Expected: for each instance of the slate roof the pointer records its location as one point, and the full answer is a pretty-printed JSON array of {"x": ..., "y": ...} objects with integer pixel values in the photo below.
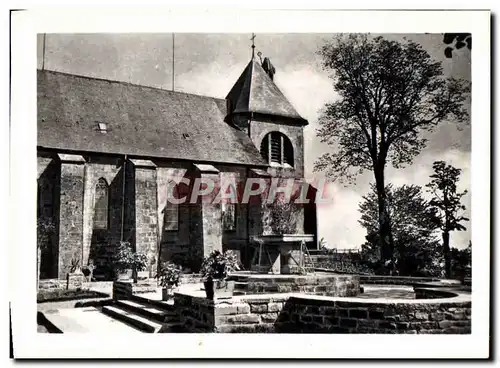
[
  {"x": 141, "y": 121},
  {"x": 254, "y": 91}
]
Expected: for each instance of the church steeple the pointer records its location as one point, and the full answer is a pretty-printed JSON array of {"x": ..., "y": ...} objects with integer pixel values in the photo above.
[
  {"x": 256, "y": 106},
  {"x": 256, "y": 93}
]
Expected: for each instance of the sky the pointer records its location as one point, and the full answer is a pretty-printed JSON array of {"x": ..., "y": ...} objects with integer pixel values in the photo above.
[{"x": 209, "y": 64}]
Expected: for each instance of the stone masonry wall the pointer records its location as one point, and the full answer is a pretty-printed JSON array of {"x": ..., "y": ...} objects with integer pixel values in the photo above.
[
  {"x": 328, "y": 316},
  {"x": 171, "y": 241},
  {"x": 324, "y": 285},
  {"x": 146, "y": 215},
  {"x": 70, "y": 215},
  {"x": 205, "y": 221},
  {"x": 98, "y": 244},
  {"x": 48, "y": 201},
  {"x": 307, "y": 314}
]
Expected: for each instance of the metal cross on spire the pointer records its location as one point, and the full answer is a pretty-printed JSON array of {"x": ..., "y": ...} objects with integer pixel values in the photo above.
[{"x": 253, "y": 45}]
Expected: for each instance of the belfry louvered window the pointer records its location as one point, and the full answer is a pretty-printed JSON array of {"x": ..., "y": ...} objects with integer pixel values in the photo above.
[
  {"x": 101, "y": 203},
  {"x": 277, "y": 149}
]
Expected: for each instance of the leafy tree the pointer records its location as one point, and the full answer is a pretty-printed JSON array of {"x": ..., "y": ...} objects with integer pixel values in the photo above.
[
  {"x": 461, "y": 262},
  {"x": 413, "y": 225},
  {"x": 389, "y": 92},
  {"x": 457, "y": 40},
  {"x": 447, "y": 202}
]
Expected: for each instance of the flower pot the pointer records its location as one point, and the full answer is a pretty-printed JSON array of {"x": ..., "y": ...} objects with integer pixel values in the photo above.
[
  {"x": 209, "y": 289},
  {"x": 124, "y": 275},
  {"x": 219, "y": 289},
  {"x": 167, "y": 293}
]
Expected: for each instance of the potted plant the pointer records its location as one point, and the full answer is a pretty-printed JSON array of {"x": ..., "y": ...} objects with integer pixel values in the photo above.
[
  {"x": 127, "y": 262},
  {"x": 215, "y": 269},
  {"x": 169, "y": 276}
]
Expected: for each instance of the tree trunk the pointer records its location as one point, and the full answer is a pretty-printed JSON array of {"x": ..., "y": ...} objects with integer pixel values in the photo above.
[
  {"x": 446, "y": 254},
  {"x": 386, "y": 242}
]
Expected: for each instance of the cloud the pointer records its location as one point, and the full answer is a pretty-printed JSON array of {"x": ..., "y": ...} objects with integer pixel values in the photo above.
[
  {"x": 215, "y": 79},
  {"x": 338, "y": 221}
]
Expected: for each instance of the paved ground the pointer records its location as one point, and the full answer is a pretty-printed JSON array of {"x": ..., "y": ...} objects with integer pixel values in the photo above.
[
  {"x": 53, "y": 306},
  {"x": 88, "y": 319},
  {"x": 387, "y": 291}
]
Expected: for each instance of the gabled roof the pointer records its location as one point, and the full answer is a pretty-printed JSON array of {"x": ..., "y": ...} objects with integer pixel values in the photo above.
[
  {"x": 254, "y": 91},
  {"x": 140, "y": 121}
]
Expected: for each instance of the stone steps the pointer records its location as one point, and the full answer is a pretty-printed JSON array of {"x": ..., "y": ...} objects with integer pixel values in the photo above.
[
  {"x": 147, "y": 310},
  {"x": 131, "y": 318},
  {"x": 164, "y": 306}
]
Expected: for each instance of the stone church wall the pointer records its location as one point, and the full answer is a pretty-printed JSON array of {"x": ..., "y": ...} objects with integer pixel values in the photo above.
[
  {"x": 47, "y": 209},
  {"x": 171, "y": 241},
  {"x": 99, "y": 244},
  {"x": 70, "y": 215},
  {"x": 237, "y": 239},
  {"x": 68, "y": 196},
  {"x": 146, "y": 219}
]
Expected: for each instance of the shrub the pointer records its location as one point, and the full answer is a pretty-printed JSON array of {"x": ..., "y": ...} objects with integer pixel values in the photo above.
[
  {"x": 125, "y": 258},
  {"x": 169, "y": 274},
  {"x": 217, "y": 265}
]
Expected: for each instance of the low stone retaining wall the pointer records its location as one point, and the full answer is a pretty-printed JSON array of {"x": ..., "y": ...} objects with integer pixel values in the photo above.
[
  {"x": 125, "y": 289},
  {"x": 331, "y": 285},
  {"x": 71, "y": 283},
  {"x": 295, "y": 313},
  {"x": 315, "y": 315}
]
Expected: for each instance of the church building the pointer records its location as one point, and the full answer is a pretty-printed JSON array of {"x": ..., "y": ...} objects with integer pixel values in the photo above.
[{"x": 108, "y": 150}]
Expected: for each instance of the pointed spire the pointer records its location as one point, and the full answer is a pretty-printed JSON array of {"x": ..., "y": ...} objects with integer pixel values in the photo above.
[{"x": 255, "y": 92}]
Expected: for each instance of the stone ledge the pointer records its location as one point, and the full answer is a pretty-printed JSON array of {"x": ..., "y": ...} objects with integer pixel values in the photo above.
[
  {"x": 143, "y": 163},
  {"x": 67, "y": 158}
]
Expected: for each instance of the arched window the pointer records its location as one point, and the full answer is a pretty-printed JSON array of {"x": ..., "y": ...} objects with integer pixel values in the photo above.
[
  {"x": 171, "y": 210},
  {"x": 101, "y": 204},
  {"x": 277, "y": 149}
]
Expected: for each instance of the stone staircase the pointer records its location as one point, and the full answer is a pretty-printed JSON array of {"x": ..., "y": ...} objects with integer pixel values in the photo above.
[{"x": 144, "y": 314}]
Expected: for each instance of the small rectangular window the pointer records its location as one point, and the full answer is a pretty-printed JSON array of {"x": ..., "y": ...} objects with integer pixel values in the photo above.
[
  {"x": 101, "y": 205},
  {"x": 103, "y": 127},
  {"x": 171, "y": 217},
  {"x": 229, "y": 216}
]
